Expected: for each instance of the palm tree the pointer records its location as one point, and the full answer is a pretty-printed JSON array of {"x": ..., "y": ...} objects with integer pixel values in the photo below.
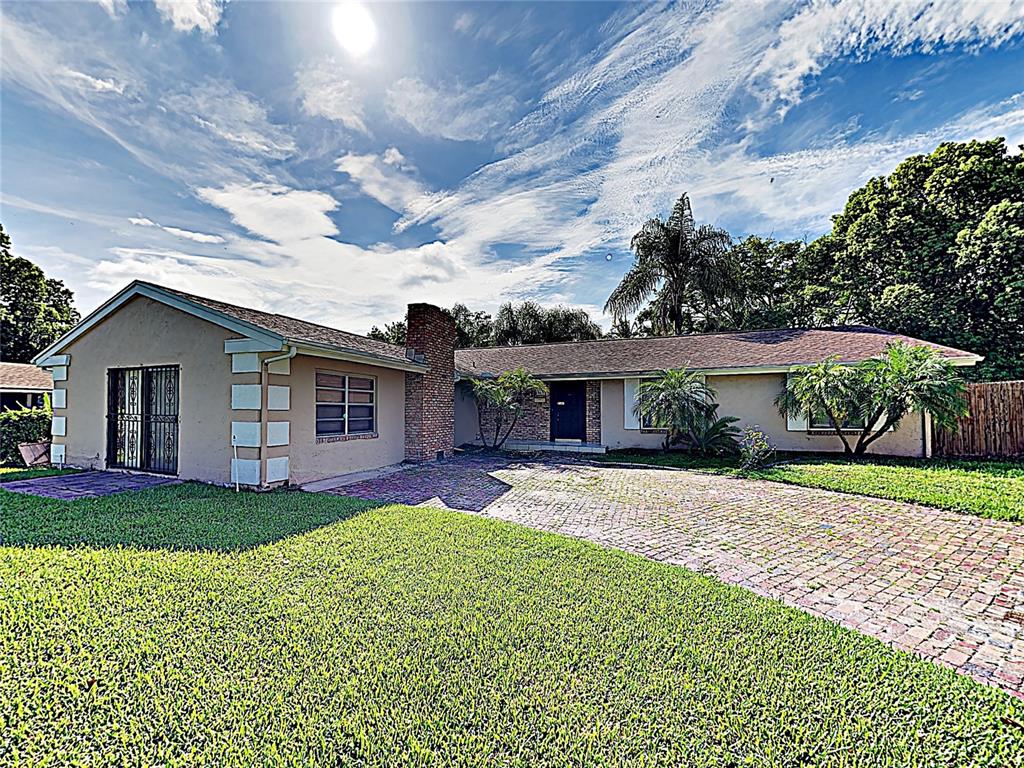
[
  {"x": 677, "y": 401},
  {"x": 684, "y": 270},
  {"x": 873, "y": 397}
]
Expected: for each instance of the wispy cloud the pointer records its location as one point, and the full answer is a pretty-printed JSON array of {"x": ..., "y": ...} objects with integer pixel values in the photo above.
[
  {"x": 187, "y": 234},
  {"x": 453, "y": 111},
  {"x": 384, "y": 178},
  {"x": 326, "y": 92},
  {"x": 273, "y": 211}
]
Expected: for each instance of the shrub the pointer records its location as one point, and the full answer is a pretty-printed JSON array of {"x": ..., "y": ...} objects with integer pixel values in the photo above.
[
  {"x": 501, "y": 401},
  {"x": 755, "y": 449},
  {"x": 27, "y": 425}
]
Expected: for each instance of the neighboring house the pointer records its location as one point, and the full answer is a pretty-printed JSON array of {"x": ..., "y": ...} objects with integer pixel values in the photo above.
[
  {"x": 592, "y": 385},
  {"x": 23, "y": 386},
  {"x": 162, "y": 381}
]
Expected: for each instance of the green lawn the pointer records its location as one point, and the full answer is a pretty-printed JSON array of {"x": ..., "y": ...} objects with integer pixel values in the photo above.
[
  {"x": 10, "y": 474},
  {"x": 993, "y": 489},
  {"x": 310, "y": 629}
]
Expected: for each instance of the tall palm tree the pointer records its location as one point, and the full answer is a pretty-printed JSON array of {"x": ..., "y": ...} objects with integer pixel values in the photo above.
[{"x": 683, "y": 269}]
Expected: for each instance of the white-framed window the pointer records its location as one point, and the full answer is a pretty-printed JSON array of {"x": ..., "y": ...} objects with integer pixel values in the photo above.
[
  {"x": 346, "y": 404},
  {"x": 822, "y": 421}
]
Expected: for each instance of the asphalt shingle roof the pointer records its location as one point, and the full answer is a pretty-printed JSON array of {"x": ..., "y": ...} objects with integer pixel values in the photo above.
[
  {"x": 740, "y": 349},
  {"x": 24, "y": 377},
  {"x": 293, "y": 329}
]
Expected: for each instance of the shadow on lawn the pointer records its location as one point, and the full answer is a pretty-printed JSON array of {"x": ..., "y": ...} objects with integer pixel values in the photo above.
[{"x": 188, "y": 516}]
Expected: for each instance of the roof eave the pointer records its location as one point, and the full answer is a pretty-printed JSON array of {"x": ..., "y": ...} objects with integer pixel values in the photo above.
[{"x": 332, "y": 352}]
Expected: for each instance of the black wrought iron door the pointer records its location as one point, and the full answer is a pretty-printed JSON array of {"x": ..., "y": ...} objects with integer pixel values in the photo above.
[{"x": 142, "y": 418}]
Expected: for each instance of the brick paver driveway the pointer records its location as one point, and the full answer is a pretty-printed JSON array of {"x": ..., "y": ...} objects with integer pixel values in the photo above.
[
  {"x": 85, "y": 485},
  {"x": 946, "y": 586}
]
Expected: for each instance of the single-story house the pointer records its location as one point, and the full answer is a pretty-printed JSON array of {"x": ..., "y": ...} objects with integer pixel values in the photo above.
[
  {"x": 158, "y": 380},
  {"x": 23, "y": 385}
]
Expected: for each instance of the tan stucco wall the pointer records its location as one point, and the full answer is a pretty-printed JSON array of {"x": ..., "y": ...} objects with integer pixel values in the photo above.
[
  {"x": 145, "y": 332},
  {"x": 315, "y": 461},
  {"x": 467, "y": 418},
  {"x": 751, "y": 398}
]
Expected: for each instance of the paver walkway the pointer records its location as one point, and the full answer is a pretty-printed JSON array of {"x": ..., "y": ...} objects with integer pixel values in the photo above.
[
  {"x": 946, "y": 586},
  {"x": 85, "y": 485}
]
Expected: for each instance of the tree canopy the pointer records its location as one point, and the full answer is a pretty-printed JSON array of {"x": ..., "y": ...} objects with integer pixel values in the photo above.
[
  {"x": 933, "y": 250},
  {"x": 34, "y": 310}
]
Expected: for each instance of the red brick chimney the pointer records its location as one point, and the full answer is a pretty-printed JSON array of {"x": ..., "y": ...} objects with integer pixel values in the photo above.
[{"x": 430, "y": 396}]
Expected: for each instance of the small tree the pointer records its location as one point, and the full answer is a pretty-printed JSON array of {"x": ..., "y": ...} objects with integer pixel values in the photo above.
[
  {"x": 678, "y": 401},
  {"x": 874, "y": 396},
  {"x": 500, "y": 403}
]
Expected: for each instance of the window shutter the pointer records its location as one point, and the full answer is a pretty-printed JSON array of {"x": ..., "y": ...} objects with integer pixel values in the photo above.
[
  {"x": 795, "y": 422},
  {"x": 629, "y": 419}
]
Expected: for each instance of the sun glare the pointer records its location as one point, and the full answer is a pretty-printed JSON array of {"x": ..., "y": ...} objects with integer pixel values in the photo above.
[{"x": 354, "y": 28}]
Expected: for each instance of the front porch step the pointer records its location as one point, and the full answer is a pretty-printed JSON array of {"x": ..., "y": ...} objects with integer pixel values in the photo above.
[{"x": 531, "y": 446}]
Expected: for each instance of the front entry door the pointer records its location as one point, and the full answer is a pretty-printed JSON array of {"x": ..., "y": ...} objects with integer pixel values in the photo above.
[
  {"x": 142, "y": 419},
  {"x": 568, "y": 410}
]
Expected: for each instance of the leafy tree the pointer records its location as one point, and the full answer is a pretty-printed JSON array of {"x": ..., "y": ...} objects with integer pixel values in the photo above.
[
  {"x": 500, "y": 403},
  {"x": 867, "y": 400},
  {"x": 530, "y": 323},
  {"x": 932, "y": 250},
  {"x": 684, "y": 405},
  {"x": 473, "y": 329},
  {"x": 392, "y": 333},
  {"x": 34, "y": 310},
  {"x": 682, "y": 269}
]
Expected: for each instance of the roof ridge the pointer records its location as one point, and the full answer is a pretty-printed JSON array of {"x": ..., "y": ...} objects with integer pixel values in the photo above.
[{"x": 847, "y": 327}]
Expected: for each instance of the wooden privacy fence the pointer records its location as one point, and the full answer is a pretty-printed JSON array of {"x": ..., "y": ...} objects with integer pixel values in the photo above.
[{"x": 995, "y": 426}]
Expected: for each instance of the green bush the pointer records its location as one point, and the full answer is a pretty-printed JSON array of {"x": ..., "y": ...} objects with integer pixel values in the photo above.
[{"x": 28, "y": 425}]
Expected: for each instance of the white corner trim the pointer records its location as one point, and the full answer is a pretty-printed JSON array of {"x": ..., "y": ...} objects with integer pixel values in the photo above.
[
  {"x": 278, "y": 432},
  {"x": 59, "y": 373},
  {"x": 278, "y": 398},
  {"x": 56, "y": 453},
  {"x": 245, "y": 434},
  {"x": 277, "y": 469},
  {"x": 245, "y": 471},
  {"x": 156, "y": 293},
  {"x": 59, "y": 426},
  {"x": 53, "y": 360},
  {"x": 245, "y": 397},
  {"x": 282, "y": 367},
  {"x": 59, "y": 398},
  {"x": 245, "y": 362}
]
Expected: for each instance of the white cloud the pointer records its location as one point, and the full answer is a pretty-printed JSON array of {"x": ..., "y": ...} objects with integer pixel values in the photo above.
[
  {"x": 233, "y": 116},
  {"x": 114, "y": 8},
  {"x": 822, "y": 32},
  {"x": 187, "y": 234},
  {"x": 379, "y": 178},
  {"x": 186, "y": 15},
  {"x": 456, "y": 112},
  {"x": 463, "y": 22},
  {"x": 327, "y": 93},
  {"x": 393, "y": 157},
  {"x": 274, "y": 211}
]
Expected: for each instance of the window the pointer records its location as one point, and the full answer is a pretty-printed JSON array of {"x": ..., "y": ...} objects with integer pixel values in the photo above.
[
  {"x": 822, "y": 421},
  {"x": 345, "y": 404}
]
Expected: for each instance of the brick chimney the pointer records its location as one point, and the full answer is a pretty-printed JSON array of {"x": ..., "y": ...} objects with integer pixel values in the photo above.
[{"x": 430, "y": 396}]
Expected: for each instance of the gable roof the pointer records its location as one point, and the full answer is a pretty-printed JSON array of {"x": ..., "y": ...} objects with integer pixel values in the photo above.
[
  {"x": 23, "y": 377},
  {"x": 736, "y": 351},
  {"x": 275, "y": 332}
]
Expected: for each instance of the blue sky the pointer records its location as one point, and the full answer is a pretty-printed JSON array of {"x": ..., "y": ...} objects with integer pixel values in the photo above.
[{"x": 475, "y": 152}]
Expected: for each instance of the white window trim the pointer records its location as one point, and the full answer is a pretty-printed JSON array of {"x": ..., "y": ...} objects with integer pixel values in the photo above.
[{"x": 347, "y": 390}]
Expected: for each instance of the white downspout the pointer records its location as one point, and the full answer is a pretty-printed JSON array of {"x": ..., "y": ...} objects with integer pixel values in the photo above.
[{"x": 264, "y": 411}]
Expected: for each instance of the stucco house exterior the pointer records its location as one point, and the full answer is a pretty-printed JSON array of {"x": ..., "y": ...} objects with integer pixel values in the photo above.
[{"x": 158, "y": 380}]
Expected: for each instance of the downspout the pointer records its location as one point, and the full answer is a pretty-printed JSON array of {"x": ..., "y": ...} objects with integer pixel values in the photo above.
[{"x": 264, "y": 410}]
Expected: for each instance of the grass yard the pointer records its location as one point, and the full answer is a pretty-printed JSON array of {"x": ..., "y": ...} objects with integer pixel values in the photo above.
[
  {"x": 10, "y": 474},
  {"x": 316, "y": 630},
  {"x": 993, "y": 489}
]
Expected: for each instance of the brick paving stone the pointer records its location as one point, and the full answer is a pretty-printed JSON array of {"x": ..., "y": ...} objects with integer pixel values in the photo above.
[
  {"x": 942, "y": 585},
  {"x": 85, "y": 485}
]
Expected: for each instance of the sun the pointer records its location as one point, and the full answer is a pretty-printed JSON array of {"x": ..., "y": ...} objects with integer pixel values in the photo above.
[{"x": 354, "y": 27}]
